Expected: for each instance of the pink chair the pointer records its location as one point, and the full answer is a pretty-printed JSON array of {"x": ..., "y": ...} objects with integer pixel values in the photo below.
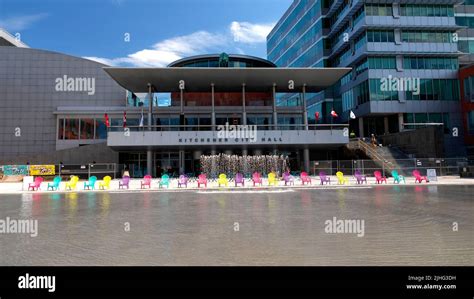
[
  {"x": 183, "y": 181},
  {"x": 146, "y": 182},
  {"x": 202, "y": 180},
  {"x": 257, "y": 179},
  {"x": 379, "y": 179},
  {"x": 239, "y": 179},
  {"x": 36, "y": 185},
  {"x": 418, "y": 177},
  {"x": 305, "y": 178}
]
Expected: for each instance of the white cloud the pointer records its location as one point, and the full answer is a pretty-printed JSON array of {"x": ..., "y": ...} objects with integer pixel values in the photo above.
[
  {"x": 21, "y": 22},
  {"x": 249, "y": 33},
  {"x": 202, "y": 42}
]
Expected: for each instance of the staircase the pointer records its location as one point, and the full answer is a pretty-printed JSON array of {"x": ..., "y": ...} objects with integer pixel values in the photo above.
[{"x": 388, "y": 158}]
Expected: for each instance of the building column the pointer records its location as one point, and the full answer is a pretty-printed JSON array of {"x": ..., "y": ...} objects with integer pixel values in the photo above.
[
  {"x": 149, "y": 162},
  {"x": 275, "y": 115},
  {"x": 213, "y": 108},
  {"x": 245, "y": 152},
  {"x": 385, "y": 125},
  {"x": 181, "y": 162},
  {"x": 244, "y": 110},
  {"x": 149, "y": 153},
  {"x": 306, "y": 159},
  {"x": 361, "y": 127},
  {"x": 305, "y": 109},
  {"x": 400, "y": 122}
]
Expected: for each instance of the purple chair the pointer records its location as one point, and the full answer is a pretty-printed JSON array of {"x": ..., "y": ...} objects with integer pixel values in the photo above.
[
  {"x": 288, "y": 178},
  {"x": 124, "y": 182},
  {"x": 183, "y": 181},
  {"x": 239, "y": 179},
  {"x": 324, "y": 178},
  {"x": 360, "y": 177}
]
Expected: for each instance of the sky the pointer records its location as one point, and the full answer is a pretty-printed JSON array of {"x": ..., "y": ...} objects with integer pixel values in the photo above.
[{"x": 143, "y": 33}]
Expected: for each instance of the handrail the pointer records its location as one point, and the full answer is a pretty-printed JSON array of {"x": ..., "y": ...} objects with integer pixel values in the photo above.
[{"x": 217, "y": 126}]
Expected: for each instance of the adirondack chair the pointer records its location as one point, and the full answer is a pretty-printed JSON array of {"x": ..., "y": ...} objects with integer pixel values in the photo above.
[
  {"x": 183, "y": 181},
  {"x": 419, "y": 178},
  {"x": 146, "y": 182},
  {"x": 257, "y": 179},
  {"x": 379, "y": 179},
  {"x": 289, "y": 179},
  {"x": 397, "y": 178},
  {"x": 124, "y": 182},
  {"x": 305, "y": 178},
  {"x": 324, "y": 178},
  {"x": 36, "y": 185},
  {"x": 360, "y": 178},
  {"x": 272, "y": 180},
  {"x": 105, "y": 184},
  {"x": 239, "y": 179},
  {"x": 165, "y": 181},
  {"x": 91, "y": 183},
  {"x": 202, "y": 180},
  {"x": 223, "y": 180},
  {"x": 341, "y": 179},
  {"x": 55, "y": 185},
  {"x": 72, "y": 184}
]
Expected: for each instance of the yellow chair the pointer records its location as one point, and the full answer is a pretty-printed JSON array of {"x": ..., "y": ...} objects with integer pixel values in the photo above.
[
  {"x": 341, "y": 179},
  {"x": 105, "y": 184},
  {"x": 272, "y": 180},
  {"x": 71, "y": 185},
  {"x": 222, "y": 180}
]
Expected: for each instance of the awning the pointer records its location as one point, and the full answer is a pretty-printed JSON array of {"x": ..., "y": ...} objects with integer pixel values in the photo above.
[{"x": 226, "y": 79}]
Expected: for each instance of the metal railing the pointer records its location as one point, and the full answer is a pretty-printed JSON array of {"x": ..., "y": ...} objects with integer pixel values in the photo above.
[
  {"x": 282, "y": 127},
  {"x": 443, "y": 166}
]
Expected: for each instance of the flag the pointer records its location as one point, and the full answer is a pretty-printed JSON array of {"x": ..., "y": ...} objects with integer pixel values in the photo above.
[
  {"x": 141, "y": 120},
  {"x": 334, "y": 114},
  {"x": 353, "y": 116},
  {"x": 125, "y": 119},
  {"x": 107, "y": 123},
  {"x": 316, "y": 115}
]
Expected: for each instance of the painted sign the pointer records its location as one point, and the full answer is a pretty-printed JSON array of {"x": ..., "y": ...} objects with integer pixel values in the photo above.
[
  {"x": 431, "y": 175},
  {"x": 42, "y": 170},
  {"x": 13, "y": 170}
]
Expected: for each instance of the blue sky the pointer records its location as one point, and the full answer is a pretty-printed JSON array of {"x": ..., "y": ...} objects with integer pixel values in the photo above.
[{"x": 160, "y": 31}]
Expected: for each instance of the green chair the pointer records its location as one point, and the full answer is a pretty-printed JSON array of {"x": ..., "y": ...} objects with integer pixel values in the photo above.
[
  {"x": 91, "y": 183},
  {"x": 55, "y": 185},
  {"x": 397, "y": 178},
  {"x": 165, "y": 180}
]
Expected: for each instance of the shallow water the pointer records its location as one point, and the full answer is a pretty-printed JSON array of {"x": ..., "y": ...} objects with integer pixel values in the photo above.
[{"x": 404, "y": 225}]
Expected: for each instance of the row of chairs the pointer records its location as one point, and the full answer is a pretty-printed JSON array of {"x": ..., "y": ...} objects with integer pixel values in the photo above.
[{"x": 239, "y": 179}]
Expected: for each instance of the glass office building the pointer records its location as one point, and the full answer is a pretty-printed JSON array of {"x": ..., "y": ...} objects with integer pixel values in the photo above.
[{"x": 413, "y": 47}]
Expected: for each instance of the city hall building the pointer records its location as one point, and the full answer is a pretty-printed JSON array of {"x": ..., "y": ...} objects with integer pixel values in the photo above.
[{"x": 59, "y": 108}]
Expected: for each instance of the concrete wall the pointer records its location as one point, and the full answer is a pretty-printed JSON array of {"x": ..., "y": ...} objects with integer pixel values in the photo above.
[
  {"x": 100, "y": 153},
  {"x": 28, "y": 97},
  {"x": 423, "y": 143}
]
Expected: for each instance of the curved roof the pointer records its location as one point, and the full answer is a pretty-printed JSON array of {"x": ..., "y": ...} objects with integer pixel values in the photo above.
[{"x": 233, "y": 57}]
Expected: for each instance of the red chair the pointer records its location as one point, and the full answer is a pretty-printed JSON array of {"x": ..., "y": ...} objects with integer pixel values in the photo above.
[
  {"x": 418, "y": 177},
  {"x": 202, "y": 180},
  {"x": 305, "y": 178},
  {"x": 146, "y": 182},
  {"x": 36, "y": 185},
  {"x": 257, "y": 179},
  {"x": 379, "y": 179}
]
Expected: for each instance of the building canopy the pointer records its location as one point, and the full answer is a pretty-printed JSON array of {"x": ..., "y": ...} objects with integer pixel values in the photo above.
[{"x": 226, "y": 79}]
